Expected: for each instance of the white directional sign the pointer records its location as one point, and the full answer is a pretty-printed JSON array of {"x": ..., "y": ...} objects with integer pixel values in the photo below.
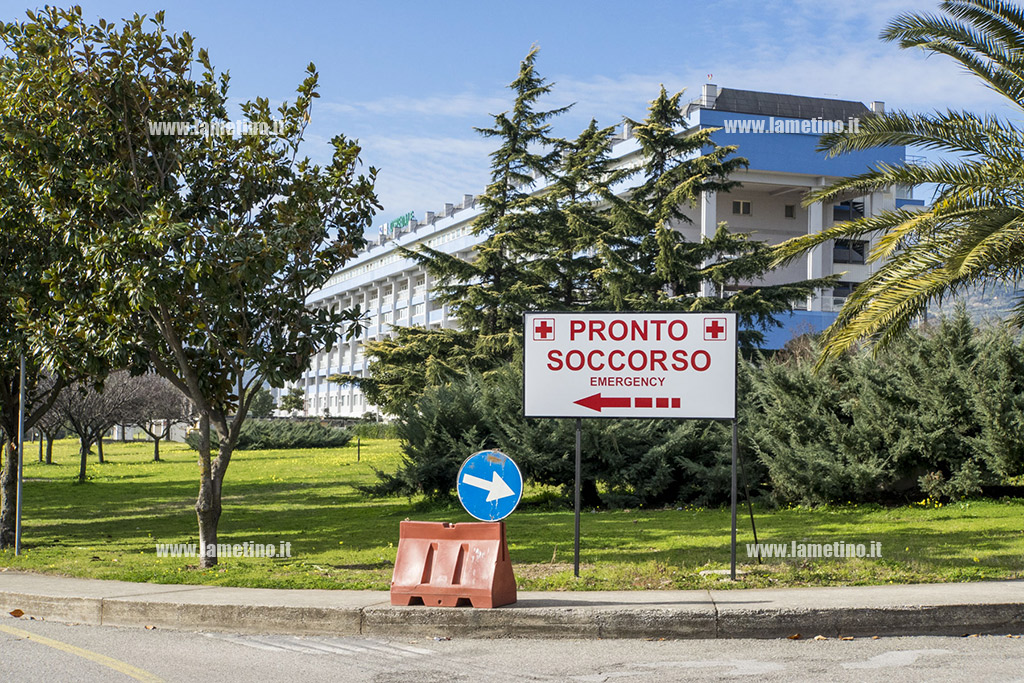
[
  {"x": 649, "y": 365},
  {"x": 496, "y": 488}
]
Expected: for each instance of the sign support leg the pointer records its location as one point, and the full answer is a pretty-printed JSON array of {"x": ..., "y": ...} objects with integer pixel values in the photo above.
[
  {"x": 750, "y": 508},
  {"x": 735, "y": 450},
  {"x": 576, "y": 546}
]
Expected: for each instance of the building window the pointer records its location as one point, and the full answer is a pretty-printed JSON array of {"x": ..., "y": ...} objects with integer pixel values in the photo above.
[
  {"x": 790, "y": 210},
  {"x": 741, "y": 208},
  {"x": 848, "y": 211},
  {"x": 843, "y": 289},
  {"x": 849, "y": 251}
]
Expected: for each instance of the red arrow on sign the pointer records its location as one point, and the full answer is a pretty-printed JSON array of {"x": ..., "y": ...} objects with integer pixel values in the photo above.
[{"x": 597, "y": 402}]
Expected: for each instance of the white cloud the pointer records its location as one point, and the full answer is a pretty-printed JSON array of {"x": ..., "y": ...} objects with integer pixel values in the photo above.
[
  {"x": 609, "y": 99},
  {"x": 904, "y": 79},
  {"x": 422, "y": 173},
  {"x": 872, "y": 12},
  {"x": 456, "y": 105}
]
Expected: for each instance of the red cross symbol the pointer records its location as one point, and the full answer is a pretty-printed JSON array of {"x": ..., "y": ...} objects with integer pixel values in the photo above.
[
  {"x": 544, "y": 329},
  {"x": 714, "y": 329}
]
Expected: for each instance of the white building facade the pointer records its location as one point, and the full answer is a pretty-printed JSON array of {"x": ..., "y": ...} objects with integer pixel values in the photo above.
[{"x": 393, "y": 290}]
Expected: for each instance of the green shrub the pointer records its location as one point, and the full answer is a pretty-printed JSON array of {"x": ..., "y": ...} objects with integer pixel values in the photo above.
[
  {"x": 438, "y": 433},
  {"x": 937, "y": 413},
  {"x": 281, "y": 434},
  {"x": 800, "y": 425},
  {"x": 374, "y": 430}
]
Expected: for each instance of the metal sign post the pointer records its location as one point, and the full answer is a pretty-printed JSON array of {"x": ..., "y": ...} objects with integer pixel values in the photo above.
[
  {"x": 21, "y": 453},
  {"x": 576, "y": 544},
  {"x": 732, "y": 500},
  {"x": 631, "y": 365}
]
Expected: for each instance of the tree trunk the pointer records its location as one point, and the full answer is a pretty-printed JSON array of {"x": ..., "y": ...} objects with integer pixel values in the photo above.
[
  {"x": 99, "y": 447},
  {"x": 40, "y": 448},
  {"x": 589, "y": 497},
  {"x": 49, "y": 449},
  {"x": 208, "y": 511},
  {"x": 124, "y": 434},
  {"x": 208, "y": 504},
  {"x": 8, "y": 493},
  {"x": 156, "y": 449},
  {"x": 83, "y": 453}
]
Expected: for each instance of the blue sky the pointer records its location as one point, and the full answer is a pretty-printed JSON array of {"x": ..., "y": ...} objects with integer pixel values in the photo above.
[{"x": 411, "y": 79}]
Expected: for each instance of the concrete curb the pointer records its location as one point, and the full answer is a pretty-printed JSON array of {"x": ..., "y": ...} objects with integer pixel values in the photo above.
[{"x": 938, "y": 609}]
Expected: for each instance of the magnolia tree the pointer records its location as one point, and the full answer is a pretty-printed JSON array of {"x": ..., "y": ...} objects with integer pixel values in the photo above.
[
  {"x": 40, "y": 395},
  {"x": 195, "y": 253},
  {"x": 25, "y": 251}
]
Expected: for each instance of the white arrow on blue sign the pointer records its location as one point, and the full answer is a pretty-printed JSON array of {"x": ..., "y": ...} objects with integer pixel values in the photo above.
[{"x": 489, "y": 485}]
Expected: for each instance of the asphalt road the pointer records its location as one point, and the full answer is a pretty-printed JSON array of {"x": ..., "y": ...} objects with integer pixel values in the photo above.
[{"x": 49, "y": 651}]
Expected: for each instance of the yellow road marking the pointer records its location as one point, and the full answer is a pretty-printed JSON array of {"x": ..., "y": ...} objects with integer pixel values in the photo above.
[{"x": 109, "y": 662}]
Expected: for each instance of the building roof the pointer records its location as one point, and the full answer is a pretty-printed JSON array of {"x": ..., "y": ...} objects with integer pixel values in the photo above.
[{"x": 790, "y": 106}]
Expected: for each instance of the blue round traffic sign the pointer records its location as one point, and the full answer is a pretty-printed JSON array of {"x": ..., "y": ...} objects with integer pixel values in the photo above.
[{"x": 489, "y": 485}]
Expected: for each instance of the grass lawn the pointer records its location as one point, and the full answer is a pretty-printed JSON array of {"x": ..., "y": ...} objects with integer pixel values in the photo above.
[{"x": 108, "y": 527}]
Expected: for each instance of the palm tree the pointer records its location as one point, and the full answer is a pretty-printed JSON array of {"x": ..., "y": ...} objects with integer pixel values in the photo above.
[{"x": 973, "y": 234}]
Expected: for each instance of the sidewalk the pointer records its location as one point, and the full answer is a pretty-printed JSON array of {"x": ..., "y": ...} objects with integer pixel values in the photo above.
[{"x": 933, "y": 609}]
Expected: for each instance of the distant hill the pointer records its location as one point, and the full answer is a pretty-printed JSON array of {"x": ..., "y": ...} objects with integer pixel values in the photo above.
[{"x": 984, "y": 304}]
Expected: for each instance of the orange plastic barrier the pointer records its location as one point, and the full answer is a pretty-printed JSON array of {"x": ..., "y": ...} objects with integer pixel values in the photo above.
[{"x": 451, "y": 565}]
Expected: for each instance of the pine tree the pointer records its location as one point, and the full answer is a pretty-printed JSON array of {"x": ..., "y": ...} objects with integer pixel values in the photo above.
[
  {"x": 653, "y": 262},
  {"x": 414, "y": 359}
]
